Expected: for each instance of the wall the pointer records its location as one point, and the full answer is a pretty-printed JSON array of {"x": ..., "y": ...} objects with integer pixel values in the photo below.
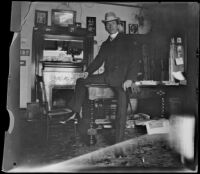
[
  {"x": 83, "y": 10},
  {"x": 172, "y": 19}
]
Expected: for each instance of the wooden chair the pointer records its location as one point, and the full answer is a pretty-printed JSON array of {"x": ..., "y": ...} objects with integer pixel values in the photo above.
[
  {"x": 97, "y": 92},
  {"x": 53, "y": 116}
]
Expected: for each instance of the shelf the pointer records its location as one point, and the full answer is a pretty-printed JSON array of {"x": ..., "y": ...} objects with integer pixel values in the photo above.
[{"x": 62, "y": 31}]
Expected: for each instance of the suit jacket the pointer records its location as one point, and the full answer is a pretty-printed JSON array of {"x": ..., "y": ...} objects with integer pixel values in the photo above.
[{"x": 120, "y": 63}]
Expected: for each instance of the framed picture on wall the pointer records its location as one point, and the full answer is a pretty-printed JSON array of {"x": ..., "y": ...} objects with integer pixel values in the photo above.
[
  {"x": 133, "y": 28},
  {"x": 122, "y": 27},
  {"x": 41, "y": 18},
  {"x": 91, "y": 25},
  {"x": 62, "y": 18}
]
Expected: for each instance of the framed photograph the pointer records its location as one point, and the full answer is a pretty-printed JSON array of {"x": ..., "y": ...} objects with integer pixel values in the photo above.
[
  {"x": 122, "y": 27},
  {"x": 133, "y": 28},
  {"x": 41, "y": 18},
  {"x": 63, "y": 18},
  {"x": 91, "y": 25},
  {"x": 78, "y": 25}
]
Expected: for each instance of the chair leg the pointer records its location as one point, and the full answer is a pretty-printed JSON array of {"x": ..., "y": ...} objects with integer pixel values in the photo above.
[
  {"x": 92, "y": 130},
  {"x": 75, "y": 127},
  {"x": 47, "y": 129}
]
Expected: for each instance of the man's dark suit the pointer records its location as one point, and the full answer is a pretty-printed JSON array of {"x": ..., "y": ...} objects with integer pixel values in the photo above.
[{"x": 120, "y": 65}]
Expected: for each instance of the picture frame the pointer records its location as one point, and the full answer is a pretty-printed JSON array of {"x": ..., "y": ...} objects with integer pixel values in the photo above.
[
  {"x": 41, "y": 18},
  {"x": 91, "y": 25},
  {"x": 133, "y": 28},
  {"x": 122, "y": 26},
  {"x": 62, "y": 18}
]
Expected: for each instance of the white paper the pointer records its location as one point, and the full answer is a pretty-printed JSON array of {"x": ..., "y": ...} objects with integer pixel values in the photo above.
[
  {"x": 179, "y": 61},
  {"x": 178, "y": 75}
]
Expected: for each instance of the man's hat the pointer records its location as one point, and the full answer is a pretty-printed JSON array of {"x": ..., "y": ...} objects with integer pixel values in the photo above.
[{"x": 110, "y": 16}]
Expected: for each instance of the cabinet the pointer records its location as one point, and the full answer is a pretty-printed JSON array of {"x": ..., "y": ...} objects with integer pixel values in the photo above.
[{"x": 59, "y": 54}]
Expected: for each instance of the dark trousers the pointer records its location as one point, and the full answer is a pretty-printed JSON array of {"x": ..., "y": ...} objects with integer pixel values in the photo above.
[{"x": 80, "y": 95}]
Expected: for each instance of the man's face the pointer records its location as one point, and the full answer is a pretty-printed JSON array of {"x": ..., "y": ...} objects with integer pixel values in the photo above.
[{"x": 111, "y": 27}]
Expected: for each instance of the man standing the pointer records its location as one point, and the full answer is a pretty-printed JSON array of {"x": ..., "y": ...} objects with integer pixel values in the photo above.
[{"x": 120, "y": 72}]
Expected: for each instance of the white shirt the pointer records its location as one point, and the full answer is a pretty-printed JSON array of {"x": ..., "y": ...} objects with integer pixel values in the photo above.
[{"x": 114, "y": 35}]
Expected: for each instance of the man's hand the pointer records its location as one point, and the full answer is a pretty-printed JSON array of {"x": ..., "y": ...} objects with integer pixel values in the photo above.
[
  {"x": 85, "y": 75},
  {"x": 127, "y": 84},
  {"x": 135, "y": 88},
  {"x": 130, "y": 84}
]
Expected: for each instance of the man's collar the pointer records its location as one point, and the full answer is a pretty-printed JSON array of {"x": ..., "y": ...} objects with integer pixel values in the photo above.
[{"x": 114, "y": 35}]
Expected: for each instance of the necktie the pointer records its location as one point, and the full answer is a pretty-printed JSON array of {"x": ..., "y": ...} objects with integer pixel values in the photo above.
[{"x": 111, "y": 38}]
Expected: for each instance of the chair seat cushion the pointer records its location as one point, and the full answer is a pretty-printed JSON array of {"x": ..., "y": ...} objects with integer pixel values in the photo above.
[{"x": 100, "y": 91}]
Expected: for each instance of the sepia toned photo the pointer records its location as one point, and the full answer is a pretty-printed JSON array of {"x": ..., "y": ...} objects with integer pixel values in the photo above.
[{"x": 83, "y": 95}]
